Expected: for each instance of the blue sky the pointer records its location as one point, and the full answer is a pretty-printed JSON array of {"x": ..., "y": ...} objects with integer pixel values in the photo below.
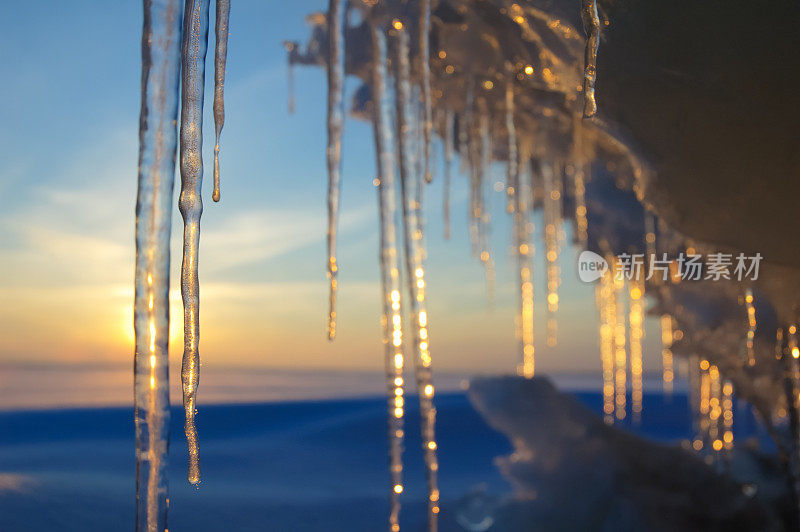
[{"x": 69, "y": 108}]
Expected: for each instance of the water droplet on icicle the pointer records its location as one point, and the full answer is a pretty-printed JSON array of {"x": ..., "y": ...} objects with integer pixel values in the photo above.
[
  {"x": 390, "y": 273},
  {"x": 591, "y": 26},
  {"x": 158, "y": 140},
  {"x": 220, "y": 58},
  {"x": 195, "y": 41},
  {"x": 335, "y": 122}
]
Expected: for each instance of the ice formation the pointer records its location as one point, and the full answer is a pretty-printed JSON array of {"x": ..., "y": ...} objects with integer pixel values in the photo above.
[
  {"x": 190, "y": 203},
  {"x": 220, "y": 60},
  {"x": 161, "y": 35},
  {"x": 174, "y": 41},
  {"x": 390, "y": 269},
  {"x": 513, "y": 81},
  {"x": 335, "y": 67}
]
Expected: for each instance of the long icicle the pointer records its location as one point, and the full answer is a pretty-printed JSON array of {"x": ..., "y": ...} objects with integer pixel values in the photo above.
[
  {"x": 751, "y": 326},
  {"x": 484, "y": 161},
  {"x": 694, "y": 378},
  {"x": 591, "y": 26},
  {"x": 511, "y": 135},
  {"x": 471, "y": 160},
  {"x": 418, "y": 164},
  {"x": 425, "y": 76},
  {"x": 714, "y": 411},
  {"x": 667, "y": 357},
  {"x": 705, "y": 404},
  {"x": 290, "y": 99},
  {"x": 415, "y": 272},
  {"x": 195, "y": 41},
  {"x": 636, "y": 290},
  {"x": 620, "y": 354},
  {"x": 390, "y": 273},
  {"x": 220, "y": 59},
  {"x": 465, "y": 136},
  {"x": 727, "y": 415},
  {"x": 334, "y": 159},
  {"x": 524, "y": 253},
  {"x": 604, "y": 294},
  {"x": 157, "y": 144},
  {"x": 448, "y": 163},
  {"x": 552, "y": 230},
  {"x": 579, "y": 184}
]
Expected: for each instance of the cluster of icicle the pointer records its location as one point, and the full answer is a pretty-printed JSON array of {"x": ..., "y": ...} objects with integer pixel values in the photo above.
[
  {"x": 404, "y": 128},
  {"x": 492, "y": 116},
  {"x": 174, "y": 48},
  {"x": 174, "y": 42},
  {"x": 407, "y": 128}
]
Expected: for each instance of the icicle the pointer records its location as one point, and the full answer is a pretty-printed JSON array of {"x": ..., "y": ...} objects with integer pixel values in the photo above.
[
  {"x": 727, "y": 415},
  {"x": 465, "y": 137},
  {"x": 552, "y": 230},
  {"x": 390, "y": 273},
  {"x": 425, "y": 75},
  {"x": 751, "y": 327},
  {"x": 604, "y": 297},
  {"x": 511, "y": 134},
  {"x": 650, "y": 235},
  {"x": 791, "y": 373},
  {"x": 620, "y": 354},
  {"x": 290, "y": 49},
  {"x": 220, "y": 58},
  {"x": 334, "y": 153},
  {"x": 157, "y": 144},
  {"x": 704, "y": 405},
  {"x": 448, "y": 161},
  {"x": 195, "y": 40},
  {"x": 636, "y": 321},
  {"x": 693, "y": 378},
  {"x": 579, "y": 184},
  {"x": 524, "y": 253},
  {"x": 483, "y": 218},
  {"x": 591, "y": 26},
  {"x": 418, "y": 164},
  {"x": 471, "y": 158},
  {"x": 714, "y": 409},
  {"x": 667, "y": 360},
  {"x": 415, "y": 272}
]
